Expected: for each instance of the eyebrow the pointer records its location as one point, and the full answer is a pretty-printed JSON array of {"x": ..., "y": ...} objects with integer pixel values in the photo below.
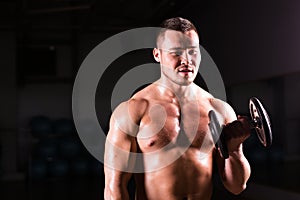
[{"x": 179, "y": 48}]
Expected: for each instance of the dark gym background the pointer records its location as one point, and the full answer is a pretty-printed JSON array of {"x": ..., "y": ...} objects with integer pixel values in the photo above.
[{"x": 255, "y": 45}]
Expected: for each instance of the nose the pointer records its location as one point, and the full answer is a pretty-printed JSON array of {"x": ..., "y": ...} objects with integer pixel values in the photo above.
[{"x": 186, "y": 58}]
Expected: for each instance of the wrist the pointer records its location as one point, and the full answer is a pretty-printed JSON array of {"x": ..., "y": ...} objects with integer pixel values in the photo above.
[{"x": 236, "y": 152}]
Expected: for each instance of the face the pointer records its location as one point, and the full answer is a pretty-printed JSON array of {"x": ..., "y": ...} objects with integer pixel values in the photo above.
[{"x": 179, "y": 56}]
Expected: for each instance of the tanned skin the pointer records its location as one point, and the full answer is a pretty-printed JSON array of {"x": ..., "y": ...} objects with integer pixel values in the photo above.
[{"x": 183, "y": 106}]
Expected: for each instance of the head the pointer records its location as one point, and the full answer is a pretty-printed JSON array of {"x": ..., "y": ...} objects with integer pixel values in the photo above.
[{"x": 177, "y": 50}]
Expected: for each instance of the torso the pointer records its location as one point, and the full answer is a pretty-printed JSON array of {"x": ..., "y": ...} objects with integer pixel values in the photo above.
[{"x": 178, "y": 129}]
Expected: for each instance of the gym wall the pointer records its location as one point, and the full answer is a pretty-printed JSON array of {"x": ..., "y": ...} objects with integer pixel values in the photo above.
[{"x": 8, "y": 103}]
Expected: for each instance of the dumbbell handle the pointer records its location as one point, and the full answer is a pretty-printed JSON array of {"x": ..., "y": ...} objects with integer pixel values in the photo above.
[{"x": 255, "y": 123}]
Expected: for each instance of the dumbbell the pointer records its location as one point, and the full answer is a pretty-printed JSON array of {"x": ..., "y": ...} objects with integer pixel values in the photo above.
[{"x": 259, "y": 121}]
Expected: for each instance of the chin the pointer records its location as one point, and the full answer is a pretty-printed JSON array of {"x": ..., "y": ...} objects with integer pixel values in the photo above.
[
  {"x": 189, "y": 81},
  {"x": 185, "y": 83}
]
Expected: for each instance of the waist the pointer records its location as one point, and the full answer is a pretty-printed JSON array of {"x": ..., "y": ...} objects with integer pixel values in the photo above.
[{"x": 187, "y": 175}]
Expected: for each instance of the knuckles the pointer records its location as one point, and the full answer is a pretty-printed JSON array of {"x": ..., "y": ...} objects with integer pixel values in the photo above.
[{"x": 238, "y": 129}]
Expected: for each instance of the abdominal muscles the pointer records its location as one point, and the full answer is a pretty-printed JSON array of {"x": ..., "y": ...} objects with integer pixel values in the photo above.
[{"x": 189, "y": 176}]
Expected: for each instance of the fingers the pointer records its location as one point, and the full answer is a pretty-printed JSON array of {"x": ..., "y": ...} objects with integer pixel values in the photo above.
[
  {"x": 239, "y": 128},
  {"x": 235, "y": 133}
]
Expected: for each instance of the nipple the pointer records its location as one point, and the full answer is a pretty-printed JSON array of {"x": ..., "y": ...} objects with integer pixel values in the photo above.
[{"x": 151, "y": 143}]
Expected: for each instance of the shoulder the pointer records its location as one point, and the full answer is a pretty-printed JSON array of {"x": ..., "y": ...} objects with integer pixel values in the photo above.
[
  {"x": 127, "y": 116},
  {"x": 134, "y": 108},
  {"x": 224, "y": 109},
  {"x": 200, "y": 92},
  {"x": 220, "y": 106}
]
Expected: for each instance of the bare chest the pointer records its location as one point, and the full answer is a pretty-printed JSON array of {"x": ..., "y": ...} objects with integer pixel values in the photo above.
[{"x": 182, "y": 125}]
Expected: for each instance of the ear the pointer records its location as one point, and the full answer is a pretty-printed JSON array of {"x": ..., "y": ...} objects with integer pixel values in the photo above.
[{"x": 156, "y": 54}]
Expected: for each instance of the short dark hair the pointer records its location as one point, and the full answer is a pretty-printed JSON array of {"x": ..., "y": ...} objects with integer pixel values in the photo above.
[{"x": 176, "y": 24}]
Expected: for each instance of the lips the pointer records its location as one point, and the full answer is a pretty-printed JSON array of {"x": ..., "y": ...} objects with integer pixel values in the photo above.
[{"x": 186, "y": 70}]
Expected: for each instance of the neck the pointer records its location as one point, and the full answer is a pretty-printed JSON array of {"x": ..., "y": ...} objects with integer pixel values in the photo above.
[{"x": 181, "y": 91}]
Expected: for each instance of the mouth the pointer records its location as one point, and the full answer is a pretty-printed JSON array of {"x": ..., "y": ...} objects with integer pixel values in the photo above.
[{"x": 186, "y": 71}]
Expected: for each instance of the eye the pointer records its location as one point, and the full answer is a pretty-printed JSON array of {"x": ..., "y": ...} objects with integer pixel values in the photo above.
[
  {"x": 192, "y": 52},
  {"x": 176, "y": 53}
]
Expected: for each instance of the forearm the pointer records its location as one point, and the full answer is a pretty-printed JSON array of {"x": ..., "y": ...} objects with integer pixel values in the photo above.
[
  {"x": 115, "y": 193},
  {"x": 236, "y": 171},
  {"x": 116, "y": 184}
]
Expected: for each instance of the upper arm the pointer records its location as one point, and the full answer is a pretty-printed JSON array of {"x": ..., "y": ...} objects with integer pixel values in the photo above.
[
  {"x": 233, "y": 172},
  {"x": 230, "y": 114},
  {"x": 121, "y": 141},
  {"x": 225, "y": 110}
]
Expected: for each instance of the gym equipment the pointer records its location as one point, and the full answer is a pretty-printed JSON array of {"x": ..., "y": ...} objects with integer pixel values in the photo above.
[{"x": 260, "y": 122}]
